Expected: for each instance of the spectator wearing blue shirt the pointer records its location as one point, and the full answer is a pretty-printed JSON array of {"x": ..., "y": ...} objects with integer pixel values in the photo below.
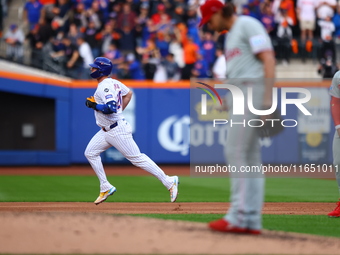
[
  {"x": 267, "y": 18},
  {"x": 32, "y": 12},
  {"x": 57, "y": 44},
  {"x": 246, "y": 11},
  {"x": 114, "y": 10},
  {"x": 141, "y": 25},
  {"x": 87, "y": 3},
  {"x": 254, "y": 8},
  {"x": 336, "y": 21},
  {"x": 201, "y": 68},
  {"x": 116, "y": 58},
  {"x": 127, "y": 42},
  {"x": 192, "y": 23},
  {"x": 171, "y": 68},
  {"x": 148, "y": 31},
  {"x": 209, "y": 49},
  {"x": 135, "y": 68},
  {"x": 104, "y": 8},
  {"x": 162, "y": 43}
]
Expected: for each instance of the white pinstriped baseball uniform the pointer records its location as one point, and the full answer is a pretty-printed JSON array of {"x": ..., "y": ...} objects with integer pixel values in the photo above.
[{"x": 119, "y": 136}]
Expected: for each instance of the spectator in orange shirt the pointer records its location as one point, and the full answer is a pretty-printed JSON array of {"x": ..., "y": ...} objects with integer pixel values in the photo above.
[
  {"x": 289, "y": 6},
  {"x": 190, "y": 50},
  {"x": 284, "y": 36}
]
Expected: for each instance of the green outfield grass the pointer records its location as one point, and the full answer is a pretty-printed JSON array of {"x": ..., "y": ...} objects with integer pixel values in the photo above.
[
  {"x": 149, "y": 189},
  {"x": 308, "y": 224}
]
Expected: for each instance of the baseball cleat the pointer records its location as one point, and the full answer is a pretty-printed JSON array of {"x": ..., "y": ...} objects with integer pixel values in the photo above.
[
  {"x": 336, "y": 212},
  {"x": 222, "y": 225},
  {"x": 174, "y": 189},
  {"x": 104, "y": 195}
]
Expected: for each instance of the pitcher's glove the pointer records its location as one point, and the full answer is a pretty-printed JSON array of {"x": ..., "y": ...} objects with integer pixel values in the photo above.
[
  {"x": 271, "y": 128},
  {"x": 91, "y": 103}
]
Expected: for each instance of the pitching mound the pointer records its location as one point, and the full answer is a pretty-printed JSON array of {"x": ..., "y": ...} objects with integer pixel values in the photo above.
[{"x": 87, "y": 233}]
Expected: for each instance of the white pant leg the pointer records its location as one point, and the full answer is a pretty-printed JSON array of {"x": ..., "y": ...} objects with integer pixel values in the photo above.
[
  {"x": 121, "y": 138},
  {"x": 96, "y": 146}
]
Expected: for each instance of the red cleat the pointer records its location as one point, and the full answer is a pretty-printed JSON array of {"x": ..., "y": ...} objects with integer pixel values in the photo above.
[
  {"x": 224, "y": 226},
  {"x": 336, "y": 212},
  {"x": 253, "y": 232}
]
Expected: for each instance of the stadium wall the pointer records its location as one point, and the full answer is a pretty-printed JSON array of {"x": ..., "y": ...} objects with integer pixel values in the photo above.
[{"x": 160, "y": 117}]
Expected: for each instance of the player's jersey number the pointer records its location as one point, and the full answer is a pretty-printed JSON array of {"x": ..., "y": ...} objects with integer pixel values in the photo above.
[{"x": 119, "y": 99}]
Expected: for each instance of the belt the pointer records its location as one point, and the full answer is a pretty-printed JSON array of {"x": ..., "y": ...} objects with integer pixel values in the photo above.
[{"x": 111, "y": 127}]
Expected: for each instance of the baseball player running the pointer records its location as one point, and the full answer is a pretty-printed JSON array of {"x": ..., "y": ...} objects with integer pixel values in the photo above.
[
  {"x": 334, "y": 91},
  {"x": 108, "y": 102},
  {"x": 250, "y": 63}
]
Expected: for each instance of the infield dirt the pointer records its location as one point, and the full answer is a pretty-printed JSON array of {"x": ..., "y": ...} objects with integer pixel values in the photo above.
[
  {"x": 88, "y": 233},
  {"x": 83, "y": 228}
]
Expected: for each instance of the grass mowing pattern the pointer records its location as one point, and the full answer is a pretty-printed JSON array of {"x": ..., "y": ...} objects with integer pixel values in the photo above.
[
  {"x": 149, "y": 189},
  {"x": 309, "y": 224}
]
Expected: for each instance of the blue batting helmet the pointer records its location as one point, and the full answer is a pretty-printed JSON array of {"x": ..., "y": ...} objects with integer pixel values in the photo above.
[{"x": 104, "y": 67}]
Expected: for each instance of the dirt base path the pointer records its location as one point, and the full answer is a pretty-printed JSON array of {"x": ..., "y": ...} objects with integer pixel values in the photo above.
[
  {"x": 162, "y": 208},
  {"x": 86, "y": 233},
  {"x": 83, "y": 228}
]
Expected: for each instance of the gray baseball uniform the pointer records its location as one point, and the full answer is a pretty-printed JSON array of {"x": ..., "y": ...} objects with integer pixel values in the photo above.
[
  {"x": 334, "y": 91},
  {"x": 246, "y": 38}
]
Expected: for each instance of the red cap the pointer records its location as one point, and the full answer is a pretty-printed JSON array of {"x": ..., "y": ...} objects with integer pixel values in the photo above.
[
  {"x": 161, "y": 7},
  {"x": 209, "y": 8}
]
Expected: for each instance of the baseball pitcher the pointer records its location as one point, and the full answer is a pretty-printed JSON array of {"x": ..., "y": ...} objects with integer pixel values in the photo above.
[
  {"x": 250, "y": 63},
  {"x": 334, "y": 91}
]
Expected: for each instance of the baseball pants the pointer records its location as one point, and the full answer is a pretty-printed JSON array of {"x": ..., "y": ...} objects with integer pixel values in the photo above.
[
  {"x": 336, "y": 157},
  {"x": 121, "y": 138},
  {"x": 243, "y": 149}
]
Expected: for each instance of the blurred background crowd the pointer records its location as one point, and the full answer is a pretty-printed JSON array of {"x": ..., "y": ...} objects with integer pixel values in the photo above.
[{"x": 159, "y": 39}]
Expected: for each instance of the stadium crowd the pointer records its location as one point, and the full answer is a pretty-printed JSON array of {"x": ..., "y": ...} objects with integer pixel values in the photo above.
[{"x": 160, "y": 39}]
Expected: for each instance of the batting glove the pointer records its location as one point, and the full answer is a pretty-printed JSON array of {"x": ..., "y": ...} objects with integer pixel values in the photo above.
[{"x": 91, "y": 103}]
